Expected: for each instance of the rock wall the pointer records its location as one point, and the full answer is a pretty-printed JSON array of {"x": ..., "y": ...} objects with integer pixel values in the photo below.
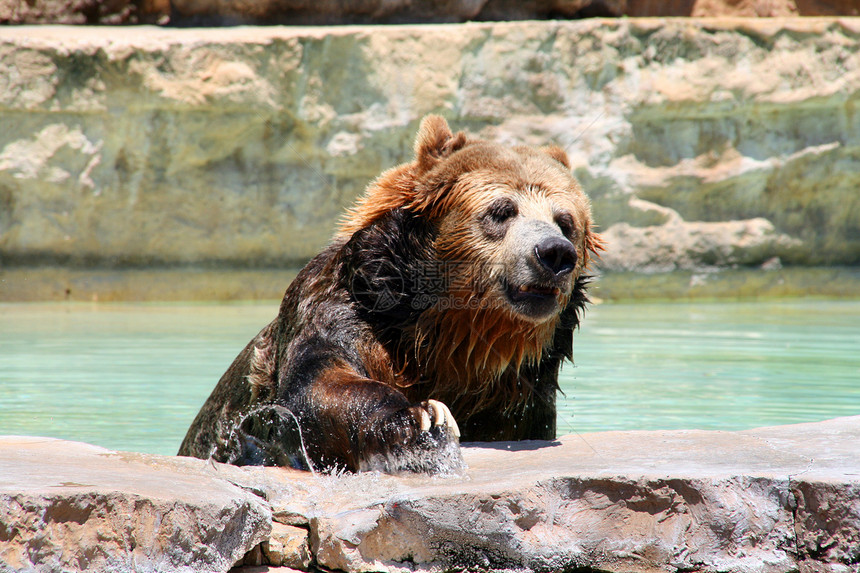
[
  {"x": 771, "y": 500},
  {"x": 703, "y": 143}
]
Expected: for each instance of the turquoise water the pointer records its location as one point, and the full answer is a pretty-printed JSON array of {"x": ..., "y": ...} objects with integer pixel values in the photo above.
[
  {"x": 132, "y": 377},
  {"x": 717, "y": 366}
]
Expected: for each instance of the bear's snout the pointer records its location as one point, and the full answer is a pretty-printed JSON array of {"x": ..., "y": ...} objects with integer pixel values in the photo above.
[{"x": 557, "y": 255}]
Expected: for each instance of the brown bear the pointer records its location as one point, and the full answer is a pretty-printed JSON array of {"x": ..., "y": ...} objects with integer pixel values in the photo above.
[{"x": 442, "y": 309}]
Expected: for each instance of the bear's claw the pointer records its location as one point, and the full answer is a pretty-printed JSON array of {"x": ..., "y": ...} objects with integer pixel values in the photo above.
[{"x": 435, "y": 413}]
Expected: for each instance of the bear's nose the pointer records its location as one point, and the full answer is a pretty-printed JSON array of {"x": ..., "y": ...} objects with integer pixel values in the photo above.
[{"x": 557, "y": 255}]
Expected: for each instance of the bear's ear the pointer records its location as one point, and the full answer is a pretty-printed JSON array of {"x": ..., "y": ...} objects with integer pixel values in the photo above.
[
  {"x": 435, "y": 141},
  {"x": 557, "y": 153}
]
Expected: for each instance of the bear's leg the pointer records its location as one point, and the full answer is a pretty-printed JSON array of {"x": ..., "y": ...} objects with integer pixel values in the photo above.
[{"x": 354, "y": 422}]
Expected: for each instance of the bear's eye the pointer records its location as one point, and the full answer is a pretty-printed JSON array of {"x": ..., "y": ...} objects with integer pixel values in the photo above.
[
  {"x": 495, "y": 218},
  {"x": 565, "y": 224},
  {"x": 501, "y": 210}
]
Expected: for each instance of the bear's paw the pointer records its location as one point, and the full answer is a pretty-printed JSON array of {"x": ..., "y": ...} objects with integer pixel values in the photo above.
[
  {"x": 434, "y": 413},
  {"x": 423, "y": 438}
]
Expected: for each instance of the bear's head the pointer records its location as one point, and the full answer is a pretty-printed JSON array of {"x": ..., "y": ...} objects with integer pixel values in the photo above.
[
  {"x": 512, "y": 224},
  {"x": 501, "y": 236}
]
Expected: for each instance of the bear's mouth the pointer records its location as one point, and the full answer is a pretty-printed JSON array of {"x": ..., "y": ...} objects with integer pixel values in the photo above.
[
  {"x": 533, "y": 300},
  {"x": 534, "y": 291}
]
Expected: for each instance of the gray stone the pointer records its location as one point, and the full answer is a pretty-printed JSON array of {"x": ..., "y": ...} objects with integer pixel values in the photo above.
[
  {"x": 67, "y": 506},
  {"x": 768, "y": 500},
  {"x": 287, "y": 546},
  {"x": 705, "y": 144}
]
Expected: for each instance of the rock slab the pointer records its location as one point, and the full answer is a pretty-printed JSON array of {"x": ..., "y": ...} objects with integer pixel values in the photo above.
[
  {"x": 770, "y": 500},
  {"x": 67, "y": 506}
]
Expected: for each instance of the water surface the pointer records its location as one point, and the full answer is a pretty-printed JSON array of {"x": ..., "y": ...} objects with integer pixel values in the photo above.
[
  {"x": 132, "y": 377},
  {"x": 719, "y": 366}
]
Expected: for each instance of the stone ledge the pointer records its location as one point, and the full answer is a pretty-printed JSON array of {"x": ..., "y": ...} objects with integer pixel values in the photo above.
[
  {"x": 766, "y": 500},
  {"x": 55, "y": 284},
  {"x": 67, "y": 506}
]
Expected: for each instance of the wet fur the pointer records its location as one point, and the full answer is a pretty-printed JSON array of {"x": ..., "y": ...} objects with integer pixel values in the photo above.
[{"x": 337, "y": 380}]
